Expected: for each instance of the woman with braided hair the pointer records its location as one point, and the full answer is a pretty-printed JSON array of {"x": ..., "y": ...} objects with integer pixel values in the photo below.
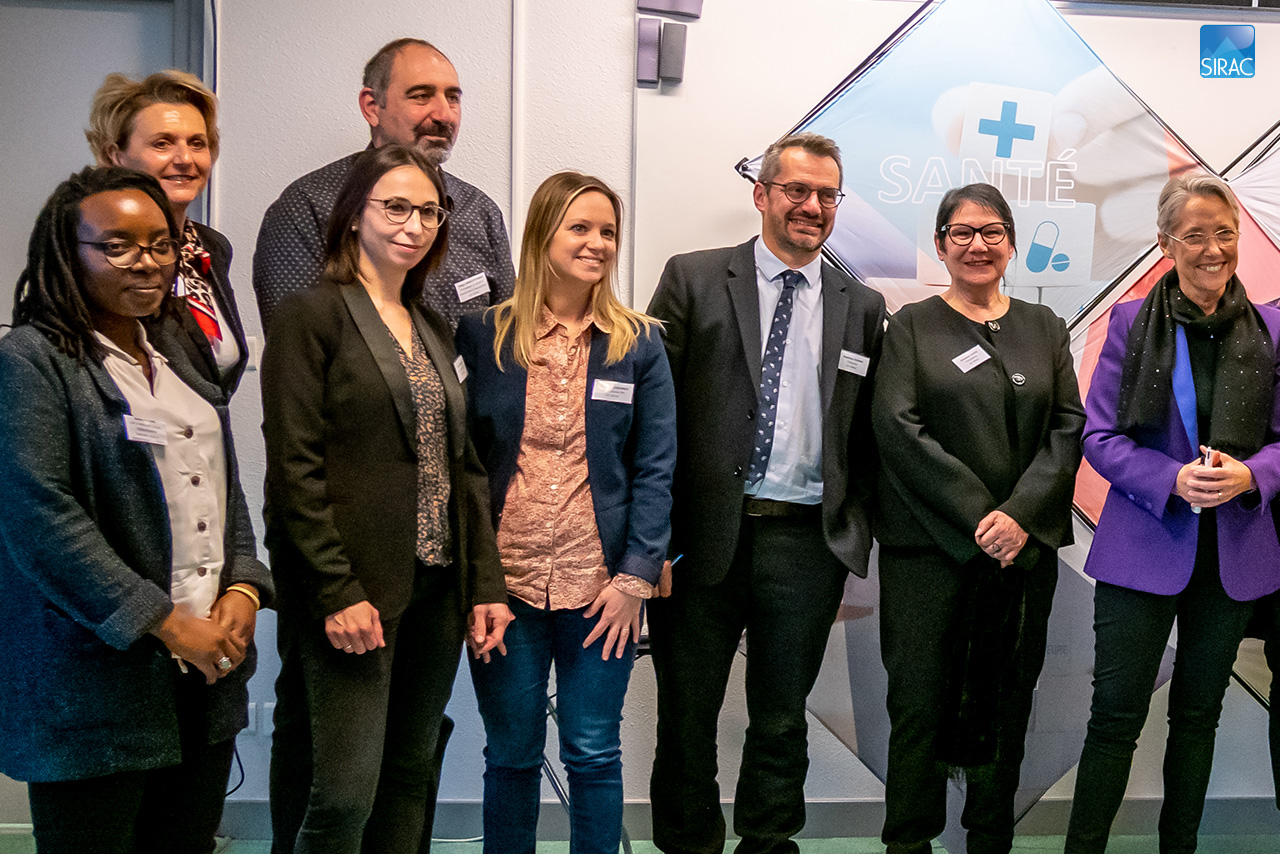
[{"x": 129, "y": 583}]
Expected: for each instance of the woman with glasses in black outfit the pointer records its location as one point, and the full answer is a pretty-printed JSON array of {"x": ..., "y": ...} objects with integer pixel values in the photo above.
[
  {"x": 377, "y": 521},
  {"x": 977, "y": 418}
]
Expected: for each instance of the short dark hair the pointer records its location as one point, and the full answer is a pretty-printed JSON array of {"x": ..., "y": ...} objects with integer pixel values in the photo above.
[
  {"x": 986, "y": 195},
  {"x": 377, "y": 71},
  {"x": 814, "y": 143},
  {"x": 49, "y": 295},
  {"x": 342, "y": 248}
]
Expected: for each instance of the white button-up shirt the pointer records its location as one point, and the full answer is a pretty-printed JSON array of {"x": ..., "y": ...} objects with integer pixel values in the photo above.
[{"x": 192, "y": 468}]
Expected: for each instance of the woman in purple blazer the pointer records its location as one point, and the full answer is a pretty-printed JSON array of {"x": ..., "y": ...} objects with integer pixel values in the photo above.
[{"x": 1192, "y": 368}]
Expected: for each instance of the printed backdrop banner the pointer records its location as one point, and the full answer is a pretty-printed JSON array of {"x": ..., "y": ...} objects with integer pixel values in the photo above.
[{"x": 1002, "y": 91}]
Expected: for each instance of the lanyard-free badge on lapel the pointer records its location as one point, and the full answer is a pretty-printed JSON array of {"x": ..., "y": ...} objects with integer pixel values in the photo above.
[
  {"x": 612, "y": 391},
  {"x": 854, "y": 363},
  {"x": 971, "y": 358}
]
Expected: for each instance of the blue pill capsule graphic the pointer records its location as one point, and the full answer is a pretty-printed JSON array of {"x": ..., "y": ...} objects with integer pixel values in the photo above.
[{"x": 1040, "y": 256}]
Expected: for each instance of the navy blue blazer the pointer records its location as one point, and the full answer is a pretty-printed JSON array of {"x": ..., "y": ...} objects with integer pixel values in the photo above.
[
  {"x": 85, "y": 557},
  {"x": 631, "y": 448}
]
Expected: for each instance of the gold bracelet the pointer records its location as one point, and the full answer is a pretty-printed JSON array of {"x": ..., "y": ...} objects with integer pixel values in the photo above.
[{"x": 243, "y": 588}]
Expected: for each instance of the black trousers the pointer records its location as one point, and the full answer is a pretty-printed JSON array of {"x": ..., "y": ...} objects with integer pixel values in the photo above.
[
  {"x": 354, "y": 752},
  {"x": 170, "y": 810},
  {"x": 1266, "y": 625},
  {"x": 1132, "y": 630},
  {"x": 921, "y": 604},
  {"x": 783, "y": 587}
]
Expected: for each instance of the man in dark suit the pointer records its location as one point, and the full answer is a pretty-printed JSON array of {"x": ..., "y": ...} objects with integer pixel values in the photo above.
[{"x": 772, "y": 351}]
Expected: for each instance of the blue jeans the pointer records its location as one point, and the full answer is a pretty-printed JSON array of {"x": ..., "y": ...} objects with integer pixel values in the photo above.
[{"x": 511, "y": 691}]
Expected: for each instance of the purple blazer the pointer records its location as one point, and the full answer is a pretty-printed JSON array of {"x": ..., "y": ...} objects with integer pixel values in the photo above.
[{"x": 1146, "y": 536}]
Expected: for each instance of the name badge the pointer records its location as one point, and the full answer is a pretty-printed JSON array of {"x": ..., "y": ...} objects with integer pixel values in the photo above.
[
  {"x": 460, "y": 368},
  {"x": 614, "y": 392},
  {"x": 146, "y": 430},
  {"x": 854, "y": 363},
  {"x": 472, "y": 287},
  {"x": 970, "y": 359}
]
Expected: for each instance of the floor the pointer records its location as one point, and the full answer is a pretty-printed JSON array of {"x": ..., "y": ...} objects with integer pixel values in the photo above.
[
  {"x": 1022, "y": 845},
  {"x": 18, "y": 844}
]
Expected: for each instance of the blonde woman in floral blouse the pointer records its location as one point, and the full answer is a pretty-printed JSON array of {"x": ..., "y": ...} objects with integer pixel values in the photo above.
[{"x": 572, "y": 409}]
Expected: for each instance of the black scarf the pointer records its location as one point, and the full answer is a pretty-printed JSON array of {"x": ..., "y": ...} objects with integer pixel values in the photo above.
[
  {"x": 1242, "y": 392},
  {"x": 986, "y": 664}
]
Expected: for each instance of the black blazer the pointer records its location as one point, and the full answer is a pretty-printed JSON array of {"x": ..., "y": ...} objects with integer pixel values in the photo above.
[
  {"x": 952, "y": 448},
  {"x": 709, "y": 303},
  {"x": 194, "y": 343},
  {"x": 342, "y": 460}
]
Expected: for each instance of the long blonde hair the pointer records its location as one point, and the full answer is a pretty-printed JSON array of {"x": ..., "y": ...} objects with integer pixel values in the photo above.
[{"x": 517, "y": 317}]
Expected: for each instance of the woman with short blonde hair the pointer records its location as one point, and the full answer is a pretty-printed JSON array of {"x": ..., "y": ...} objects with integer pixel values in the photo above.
[{"x": 166, "y": 126}]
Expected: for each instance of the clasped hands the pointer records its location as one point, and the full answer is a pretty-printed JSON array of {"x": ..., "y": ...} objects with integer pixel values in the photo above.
[
  {"x": 1000, "y": 537},
  {"x": 204, "y": 642},
  {"x": 1208, "y": 486}
]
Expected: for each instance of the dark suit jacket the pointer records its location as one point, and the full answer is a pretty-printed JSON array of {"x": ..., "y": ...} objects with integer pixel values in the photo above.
[
  {"x": 85, "y": 558},
  {"x": 342, "y": 459},
  {"x": 949, "y": 454},
  {"x": 631, "y": 448},
  {"x": 189, "y": 335},
  {"x": 709, "y": 303}
]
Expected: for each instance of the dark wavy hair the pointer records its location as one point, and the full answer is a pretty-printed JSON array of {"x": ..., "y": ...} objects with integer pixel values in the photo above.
[
  {"x": 986, "y": 195},
  {"x": 342, "y": 245},
  {"x": 49, "y": 295}
]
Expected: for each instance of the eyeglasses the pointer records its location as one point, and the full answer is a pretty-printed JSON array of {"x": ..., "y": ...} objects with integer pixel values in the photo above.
[
  {"x": 798, "y": 193},
  {"x": 1226, "y": 239},
  {"x": 123, "y": 254},
  {"x": 962, "y": 235},
  {"x": 399, "y": 210}
]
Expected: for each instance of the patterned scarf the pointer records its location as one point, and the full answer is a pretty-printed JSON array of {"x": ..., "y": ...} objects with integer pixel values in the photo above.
[{"x": 194, "y": 268}]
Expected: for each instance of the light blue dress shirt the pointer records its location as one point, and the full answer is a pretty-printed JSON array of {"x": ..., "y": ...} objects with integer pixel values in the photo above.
[{"x": 795, "y": 463}]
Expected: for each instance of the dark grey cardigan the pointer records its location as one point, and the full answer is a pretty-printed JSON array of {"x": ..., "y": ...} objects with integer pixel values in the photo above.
[{"x": 85, "y": 556}]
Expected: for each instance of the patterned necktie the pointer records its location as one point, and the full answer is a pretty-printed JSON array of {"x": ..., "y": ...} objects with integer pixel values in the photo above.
[{"x": 771, "y": 376}]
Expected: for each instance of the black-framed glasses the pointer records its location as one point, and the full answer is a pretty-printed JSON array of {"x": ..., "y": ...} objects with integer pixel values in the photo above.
[
  {"x": 399, "y": 210},
  {"x": 125, "y": 253},
  {"x": 1226, "y": 238},
  {"x": 798, "y": 193},
  {"x": 962, "y": 235}
]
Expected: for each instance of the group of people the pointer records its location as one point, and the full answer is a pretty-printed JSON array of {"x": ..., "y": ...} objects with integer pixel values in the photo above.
[{"x": 459, "y": 455}]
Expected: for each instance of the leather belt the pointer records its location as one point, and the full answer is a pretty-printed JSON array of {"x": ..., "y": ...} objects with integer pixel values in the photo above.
[{"x": 780, "y": 509}]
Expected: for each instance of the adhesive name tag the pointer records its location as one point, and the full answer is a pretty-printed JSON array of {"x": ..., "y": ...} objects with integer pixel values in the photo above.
[
  {"x": 854, "y": 363},
  {"x": 145, "y": 430},
  {"x": 472, "y": 287},
  {"x": 460, "y": 368},
  {"x": 970, "y": 359},
  {"x": 612, "y": 391}
]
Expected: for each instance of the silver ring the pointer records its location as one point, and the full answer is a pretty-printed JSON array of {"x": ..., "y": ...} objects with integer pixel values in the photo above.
[
  {"x": 224, "y": 664},
  {"x": 348, "y": 647}
]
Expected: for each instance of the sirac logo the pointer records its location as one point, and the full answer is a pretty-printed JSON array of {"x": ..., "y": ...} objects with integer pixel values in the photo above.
[{"x": 1226, "y": 50}]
